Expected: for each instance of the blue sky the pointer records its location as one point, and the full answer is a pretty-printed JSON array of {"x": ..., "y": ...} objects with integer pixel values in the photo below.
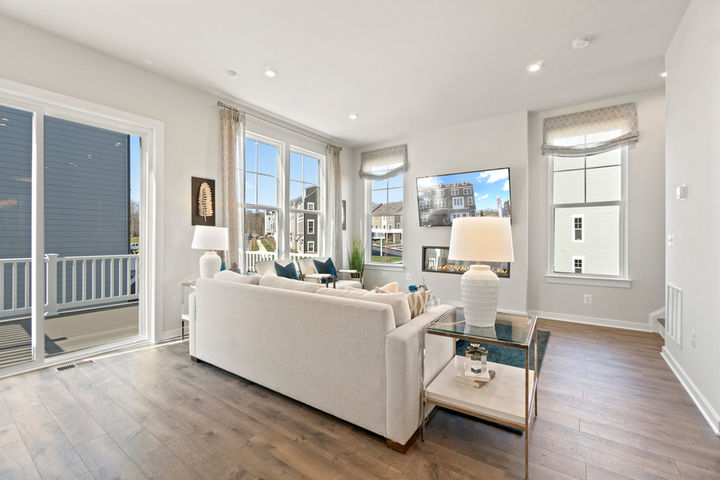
[
  {"x": 488, "y": 184},
  {"x": 134, "y": 168}
]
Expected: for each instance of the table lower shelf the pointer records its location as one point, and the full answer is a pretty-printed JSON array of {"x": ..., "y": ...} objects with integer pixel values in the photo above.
[{"x": 501, "y": 399}]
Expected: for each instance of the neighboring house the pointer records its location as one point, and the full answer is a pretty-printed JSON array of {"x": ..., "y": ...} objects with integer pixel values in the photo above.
[
  {"x": 304, "y": 228},
  {"x": 586, "y": 240},
  {"x": 387, "y": 223},
  {"x": 87, "y": 194},
  {"x": 442, "y": 203}
]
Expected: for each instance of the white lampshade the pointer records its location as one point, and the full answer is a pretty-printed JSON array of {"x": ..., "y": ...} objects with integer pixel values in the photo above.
[
  {"x": 481, "y": 239},
  {"x": 210, "y": 238}
]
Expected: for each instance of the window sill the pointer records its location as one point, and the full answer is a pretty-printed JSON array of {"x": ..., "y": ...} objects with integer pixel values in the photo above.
[
  {"x": 384, "y": 266},
  {"x": 588, "y": 280}
]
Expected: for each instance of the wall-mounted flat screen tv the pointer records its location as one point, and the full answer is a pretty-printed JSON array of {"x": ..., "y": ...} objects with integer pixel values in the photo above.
[{"x": 443, "y": 198}]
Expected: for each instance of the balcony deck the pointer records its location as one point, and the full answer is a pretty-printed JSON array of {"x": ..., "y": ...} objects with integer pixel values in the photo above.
[{"x": 68, "y": 332}]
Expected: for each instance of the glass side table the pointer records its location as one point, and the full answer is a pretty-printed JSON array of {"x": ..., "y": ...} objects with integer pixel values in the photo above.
[
  {"x": 507, "y": 398},
  {"x": 188, "y": 286}
]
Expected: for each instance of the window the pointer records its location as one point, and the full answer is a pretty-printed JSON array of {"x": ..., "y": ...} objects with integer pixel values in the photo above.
[
  {"x": 469, "y": 201},
  {"x": 260, "y": 206},
  {"x": 577, "y": 228},
  {"x": 304, "y": 197},
  {"x": 578, "y": 264},
  {"x": 588, "y": 211},
  {"x": 454, "y": 191},
  {"x": 458, "y": 202},
  {"x": 441, "y": 203},
  {"x": 441, "y": 193},
  {"x": 386, "y": 202},
  {"x": 278, "y": 221},
  {"x": 467, "y": 191}
]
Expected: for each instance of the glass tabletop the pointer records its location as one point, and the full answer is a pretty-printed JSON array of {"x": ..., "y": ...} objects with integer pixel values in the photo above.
[{"x": 510, "y": 329}]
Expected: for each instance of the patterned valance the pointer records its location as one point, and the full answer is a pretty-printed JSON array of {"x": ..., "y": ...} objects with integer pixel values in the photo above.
[
  {"x": 383, "y": 163},
  {"x": 590, "y": 132}
]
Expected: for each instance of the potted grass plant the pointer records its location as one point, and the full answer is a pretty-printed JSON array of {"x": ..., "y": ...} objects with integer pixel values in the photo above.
[{"x": 356, "y": 257}]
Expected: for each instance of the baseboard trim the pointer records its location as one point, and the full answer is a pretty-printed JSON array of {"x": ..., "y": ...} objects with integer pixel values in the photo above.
[
  {"x": 172, "y": 334},
  {"x": 708, "y": 412},
  {"x": 600, "y": 322}
]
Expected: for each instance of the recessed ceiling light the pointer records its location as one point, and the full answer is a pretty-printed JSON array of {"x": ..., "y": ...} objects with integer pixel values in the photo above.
[
  {"x": 580, "y": 43},
  {"x": 270, "y": 73},
  {"x": 662, "y": 74},
  {"x": 231, "y": 73},
  {"x": 353, "y": 116},
  {"x": 535, "y": 67}
]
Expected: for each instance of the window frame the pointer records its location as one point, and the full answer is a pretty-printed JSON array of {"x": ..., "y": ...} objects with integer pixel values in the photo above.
[
  {"x": 283, "y": 210},
  {"x": 622, "y": 280},
  {"x": 367, "y": 225},
  {"x": 575, "y": 229}
]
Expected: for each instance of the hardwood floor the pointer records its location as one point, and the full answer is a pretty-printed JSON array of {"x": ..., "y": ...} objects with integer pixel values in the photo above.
[{"x": 609, "y": 408}]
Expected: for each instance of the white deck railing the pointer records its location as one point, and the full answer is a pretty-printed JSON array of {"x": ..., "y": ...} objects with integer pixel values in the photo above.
[
  {"x": 70, "y": 282},
  {"x": 251, "y": 258}
]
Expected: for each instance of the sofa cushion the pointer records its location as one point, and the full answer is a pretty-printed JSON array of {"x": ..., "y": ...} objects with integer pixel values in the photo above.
[
  {"x": 326, "y": 267},
  {"x": 275, "y": 281},
  {"x": 287, "y": 271},
  {"x": 391, "y": 287},
  {"x": 398, "y": 301},
  {"x": 230, "y": 276}
]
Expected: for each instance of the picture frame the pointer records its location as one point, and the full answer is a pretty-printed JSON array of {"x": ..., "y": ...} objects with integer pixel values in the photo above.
[{"x": 202, "y": 201}]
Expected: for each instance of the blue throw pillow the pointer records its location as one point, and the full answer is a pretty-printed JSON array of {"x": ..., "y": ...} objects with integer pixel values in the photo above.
[
  {"x": 326, "y": 267},
  {"x": 288, "y": 271}
]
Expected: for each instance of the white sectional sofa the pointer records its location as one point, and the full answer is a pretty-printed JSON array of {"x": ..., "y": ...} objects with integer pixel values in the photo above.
[{"x": 343, "y": 356}]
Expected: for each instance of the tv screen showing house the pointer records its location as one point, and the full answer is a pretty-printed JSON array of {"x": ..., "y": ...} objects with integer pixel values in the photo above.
[{"x": 443, "y": 198}]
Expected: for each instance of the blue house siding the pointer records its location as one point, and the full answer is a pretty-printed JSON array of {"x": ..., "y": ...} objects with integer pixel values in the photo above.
[{"x": 87, "y": 201}]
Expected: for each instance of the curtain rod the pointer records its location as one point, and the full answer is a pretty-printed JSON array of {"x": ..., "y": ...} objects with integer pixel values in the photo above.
[{"x": 221, "y": 104}]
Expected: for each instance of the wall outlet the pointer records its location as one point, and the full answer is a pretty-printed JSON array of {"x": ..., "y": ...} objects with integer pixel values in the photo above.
[
  {"x": 407, "y": 276},
  {"x": 693, "y": 338},
  {"x": 587, "y": 298},
  {"x": 671, "y": 240}
]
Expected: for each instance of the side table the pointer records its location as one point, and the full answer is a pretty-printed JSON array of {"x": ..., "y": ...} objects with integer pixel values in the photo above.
[
  {"x": 187, "y": 286},
  {"x": 509, "y": 397}
]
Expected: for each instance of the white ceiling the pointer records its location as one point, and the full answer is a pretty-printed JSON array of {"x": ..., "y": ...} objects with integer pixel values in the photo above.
[{"x": 403, "y": 65}]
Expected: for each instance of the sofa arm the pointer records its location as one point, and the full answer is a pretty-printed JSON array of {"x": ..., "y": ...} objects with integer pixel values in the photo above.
[
  {"x": 402, "y": 350},
  {"x": 192, "y": 315}
]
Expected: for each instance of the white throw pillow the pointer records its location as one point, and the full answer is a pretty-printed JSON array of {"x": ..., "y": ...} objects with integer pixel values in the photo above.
[
  {"x": 288, "y": 283},
  {"x": 398, "y": 301},
  {"x": 230, "y": 276},
  {"x": 391, "y": 287}
]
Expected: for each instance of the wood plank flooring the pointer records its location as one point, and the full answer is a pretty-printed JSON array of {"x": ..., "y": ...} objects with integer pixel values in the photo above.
[{"x": 609, "y": 408}]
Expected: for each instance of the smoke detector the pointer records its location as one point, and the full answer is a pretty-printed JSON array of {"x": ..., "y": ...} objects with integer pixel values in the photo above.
[{"x": 580, "y": 43}]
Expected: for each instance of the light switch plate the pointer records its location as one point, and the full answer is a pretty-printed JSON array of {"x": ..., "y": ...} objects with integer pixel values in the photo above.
[{"x": 681, "y": 192}]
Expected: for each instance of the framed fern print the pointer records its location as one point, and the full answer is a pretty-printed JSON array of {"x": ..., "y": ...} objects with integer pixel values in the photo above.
[{"x": 202, "y": 201}]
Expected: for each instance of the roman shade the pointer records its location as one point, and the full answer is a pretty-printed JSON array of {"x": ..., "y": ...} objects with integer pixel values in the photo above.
[
  {"x": 590, "y": 132},
  {"x": 383, "y": 163}
]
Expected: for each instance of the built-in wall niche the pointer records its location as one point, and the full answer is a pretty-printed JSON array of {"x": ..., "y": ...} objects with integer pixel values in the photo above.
[{"x": 435, "y": 259}]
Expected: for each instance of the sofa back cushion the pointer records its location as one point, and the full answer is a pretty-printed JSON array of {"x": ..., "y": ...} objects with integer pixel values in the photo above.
[
  {"x": 230, "y": 276},
  {"x": 397, "y": 301},
  {"x": 275, "y": 281}
]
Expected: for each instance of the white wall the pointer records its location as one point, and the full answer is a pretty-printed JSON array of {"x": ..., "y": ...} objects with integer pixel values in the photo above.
[
  {"x": 693, "y": 159},
  {"x": 624, "y": 307},
  {"x": 191, "y": 123},
  {"x": 483, "y": 144}
]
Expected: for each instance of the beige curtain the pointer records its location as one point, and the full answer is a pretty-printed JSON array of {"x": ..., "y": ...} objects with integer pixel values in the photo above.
[
  {"x": 232, "y": 134},
  {"x": 334, "y": 205}
]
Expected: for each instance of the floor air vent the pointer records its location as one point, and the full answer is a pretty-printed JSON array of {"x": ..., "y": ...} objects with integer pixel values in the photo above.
[
  {"x": 74, "y": 365},
  {"x": 673, "y": 309}
]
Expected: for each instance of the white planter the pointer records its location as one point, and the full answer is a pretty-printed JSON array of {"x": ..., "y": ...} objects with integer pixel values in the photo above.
[{"x": 480, "y": 290}]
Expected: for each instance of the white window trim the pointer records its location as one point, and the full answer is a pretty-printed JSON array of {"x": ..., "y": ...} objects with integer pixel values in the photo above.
[
  {"x": 582, "y": 228},
  {"x": 582, "y": 263},
  {"x": 46, "y": 103},
  {"x": 620, "y": 281},
  {"x": 311, "y": 206},
  {"x": 311, "y": 246},
  {"x": 367, "y": 230},
  {"x": 322, "y": 185},
  {"x": 469, "y": 201},
  {"x": 311, "y": 226}
]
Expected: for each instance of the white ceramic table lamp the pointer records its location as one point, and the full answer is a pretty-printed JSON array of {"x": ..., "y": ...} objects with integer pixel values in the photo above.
[
  {"x": 210, "y": 239},
  {"x": 486, "y": 239}
]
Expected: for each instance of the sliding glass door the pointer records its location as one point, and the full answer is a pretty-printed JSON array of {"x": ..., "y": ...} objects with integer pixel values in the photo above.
[
  {"x": 16, "y": 154},
  {"x": 70, "y": 245}
]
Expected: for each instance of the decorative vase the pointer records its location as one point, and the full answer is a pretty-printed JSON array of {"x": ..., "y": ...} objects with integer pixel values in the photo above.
[
  {"x": 210, "y": 264},
  {"x": 480, "y": 290}
]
